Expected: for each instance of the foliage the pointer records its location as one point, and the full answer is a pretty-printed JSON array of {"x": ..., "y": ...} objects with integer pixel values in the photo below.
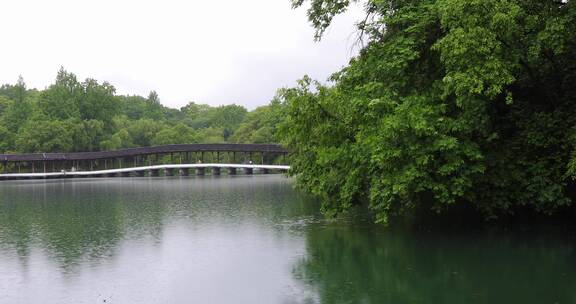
[
  {"x": 119, "y": 140},
  {"x": 227, "y": 118},
  {"x": 142, "y": 131},
  {"x": 178, "y": 134},
  {"x": 449, "y": 101},
  {"x": 260, "y": 125},
  {"x": 71, "y": 115},
  {"x": 45, "y": 135},
  {"x": 211, "y": 135}
]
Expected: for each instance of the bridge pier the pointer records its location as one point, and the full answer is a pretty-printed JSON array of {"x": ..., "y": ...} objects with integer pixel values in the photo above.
[
  {"x": 200, "y": 171},
  {"x": 184, "y": 172},
  {"x": 154, "y": 172},
  {"x": 248, "y": 171},
  {"x": 140, "y": 173},
  {"x": 168, "y": 172},
  {"x": 231, "y": 171},
  {"x": 216, "y": 171},
  {"x": 124, "y": 174},
  {"x": 265, "y": 171}
]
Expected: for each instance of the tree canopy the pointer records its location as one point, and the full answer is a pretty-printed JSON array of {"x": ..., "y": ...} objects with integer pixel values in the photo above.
[
  {"x": 72, "y": 115},
  {"x": 448, "y": 102}
]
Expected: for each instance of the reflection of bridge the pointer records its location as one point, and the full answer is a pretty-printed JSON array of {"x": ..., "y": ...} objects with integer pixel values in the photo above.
[{"x": 165, "y": 160}]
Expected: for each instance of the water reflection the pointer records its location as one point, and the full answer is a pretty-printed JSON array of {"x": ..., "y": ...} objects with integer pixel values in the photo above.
[
  {"x": 151, "y": 240},
  {"x": 251, "y": 239},
  {"x": 351, "y": 264},
  {"x": 71, "y": 221}
]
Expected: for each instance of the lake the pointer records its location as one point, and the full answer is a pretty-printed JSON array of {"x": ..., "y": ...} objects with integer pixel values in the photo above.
[{"x": 252, "y": 239}]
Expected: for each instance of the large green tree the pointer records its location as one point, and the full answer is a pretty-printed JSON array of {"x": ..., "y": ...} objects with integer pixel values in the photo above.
[
  {"x": 98, "y": 102},
  {"x": 260, "y": 125},
  {"x": 448, "y": 102},
  {"x": 178, "y": 134},
  {"x": 17, "y": 106},
  {"x": 143, "y": 131},
  {"x": 61, "y": 99},
  {"x": 225, "y": 117},
  {"x": 46, "y": 136}
]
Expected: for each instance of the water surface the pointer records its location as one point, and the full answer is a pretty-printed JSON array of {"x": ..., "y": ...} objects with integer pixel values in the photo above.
[{"x": 251, "y": 239}]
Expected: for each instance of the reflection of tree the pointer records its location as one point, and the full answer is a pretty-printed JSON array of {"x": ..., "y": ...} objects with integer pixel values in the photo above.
[
  {"x": 275, "y": 201},
  {"x": 72, "y": 222},
  {"x": 267, "y": 200},
  {"x": 75, "y": 221},
  {"x": 368, "y": 265}
]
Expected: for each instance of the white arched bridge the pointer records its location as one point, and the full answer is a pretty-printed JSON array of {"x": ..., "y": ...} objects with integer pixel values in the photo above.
[{"x": 168, "y": 160}]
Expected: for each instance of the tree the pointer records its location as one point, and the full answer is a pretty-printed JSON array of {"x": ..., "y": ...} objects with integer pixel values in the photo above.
[
  {"x": 119, "y": 140},
  {"x": 449, "y": 102},
  {"x": 17, "y": 114},
  {"x": 154, "y": 109},
  {"x": 45, "y": 136},
  {"x": 20, "y": 89},
  {"x": 195, "y": 110},
  {"x": 143, "y": 131},
  {"x": 15, "y": 92},
  {"x": 174, "y": 116},
  {"x": 178, "y": 134},
  {"x": 6, "y": 140},
  {"x": 96, "y": 118},
  {"x": 4, "y": 104},
  {"x": 259, "y": 126},
  {"x": 228, "y": 118},
  {"x": 86, "y": 134},
  {"x": 199, "y": 114},
  {"x": 97, "y": 101},
  {"x": 211, "y": 135},
  {"x": 133, "y": 106},
  {"x": 153, "y": 98},
  {"x": 62, "y": 99}
]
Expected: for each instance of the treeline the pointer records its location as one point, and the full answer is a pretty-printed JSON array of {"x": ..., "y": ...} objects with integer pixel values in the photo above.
[
  {"x": 449, "y": 102},
  {"x": 72, "y": 115}
]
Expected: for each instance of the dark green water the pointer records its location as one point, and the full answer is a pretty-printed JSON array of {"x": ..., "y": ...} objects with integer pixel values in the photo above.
[{"x": 251, "y": 239}]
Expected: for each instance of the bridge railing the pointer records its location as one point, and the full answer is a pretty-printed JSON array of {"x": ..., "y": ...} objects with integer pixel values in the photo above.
[{"x": 257, "y": 154}]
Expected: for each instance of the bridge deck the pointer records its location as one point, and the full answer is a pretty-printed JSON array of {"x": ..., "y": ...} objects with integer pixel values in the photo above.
[
  {"x": 63, "y": 173},
  {"x": 180, "y": 148}
]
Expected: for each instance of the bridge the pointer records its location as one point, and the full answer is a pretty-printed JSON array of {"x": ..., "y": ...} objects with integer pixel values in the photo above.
[{"x": 167, "y": 160}]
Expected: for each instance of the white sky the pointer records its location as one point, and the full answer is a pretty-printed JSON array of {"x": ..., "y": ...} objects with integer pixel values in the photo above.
[{"x": 215, "y": 52}]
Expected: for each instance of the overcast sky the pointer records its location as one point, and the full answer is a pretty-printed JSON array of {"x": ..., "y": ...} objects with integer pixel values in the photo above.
[{"x": 215, "y": 52}]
